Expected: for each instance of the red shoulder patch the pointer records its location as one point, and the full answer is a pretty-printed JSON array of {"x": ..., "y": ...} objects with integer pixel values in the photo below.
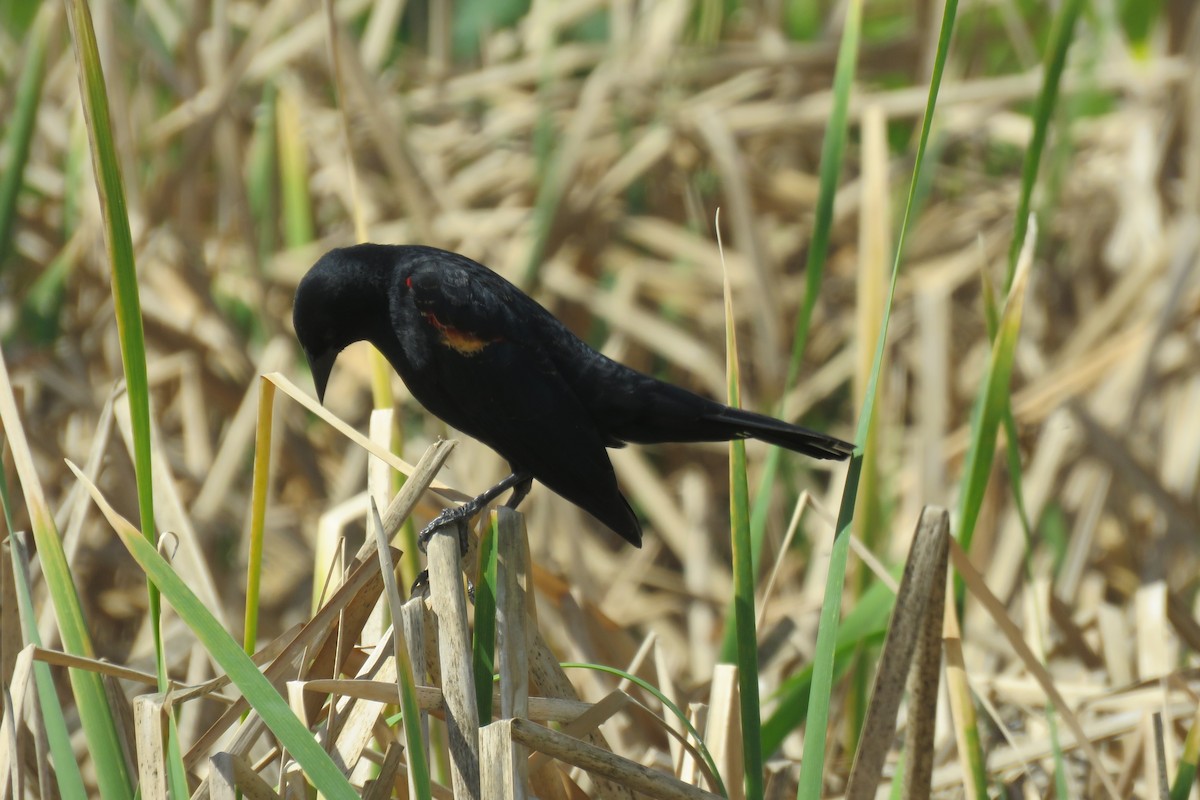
[{"x": 468, "y": 344}]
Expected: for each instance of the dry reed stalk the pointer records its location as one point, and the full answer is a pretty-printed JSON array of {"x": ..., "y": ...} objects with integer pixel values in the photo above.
[{"x": 653, "y": 130}]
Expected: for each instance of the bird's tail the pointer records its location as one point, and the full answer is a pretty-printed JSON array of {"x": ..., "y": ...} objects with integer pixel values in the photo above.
[
  {"x": 652, "y": 411},
  {"x": 742, "y": 424}
]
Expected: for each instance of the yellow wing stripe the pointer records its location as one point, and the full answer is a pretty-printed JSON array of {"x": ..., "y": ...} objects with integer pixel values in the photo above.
[{"x": 460, "y": 341}]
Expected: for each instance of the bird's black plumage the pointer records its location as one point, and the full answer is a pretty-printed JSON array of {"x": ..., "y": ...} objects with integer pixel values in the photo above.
[{"x": 483, "y": 356}]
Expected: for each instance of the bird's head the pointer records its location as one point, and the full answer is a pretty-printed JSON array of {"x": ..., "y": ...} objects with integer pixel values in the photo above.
[{"x": 335, "y": 306}]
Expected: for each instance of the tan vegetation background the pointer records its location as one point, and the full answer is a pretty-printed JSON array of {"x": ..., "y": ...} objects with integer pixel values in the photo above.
[{"x": 582, "y": 149}]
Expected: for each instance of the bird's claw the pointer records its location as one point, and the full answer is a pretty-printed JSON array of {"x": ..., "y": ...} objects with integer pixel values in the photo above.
[
  {"x": 451, "y": 516},
  {"x": 422, "y": 583}
]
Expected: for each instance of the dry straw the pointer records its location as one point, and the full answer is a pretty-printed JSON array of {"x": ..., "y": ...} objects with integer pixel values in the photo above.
[{"x": 585, "y": 162}]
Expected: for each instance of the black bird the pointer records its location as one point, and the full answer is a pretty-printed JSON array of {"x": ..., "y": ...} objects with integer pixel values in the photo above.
[{"x": 482, "y": 355}]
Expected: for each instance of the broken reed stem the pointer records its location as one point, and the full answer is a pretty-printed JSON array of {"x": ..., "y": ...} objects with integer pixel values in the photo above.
[
  {"x": 512, "y": 641},
  {"x": 402, "y": 505},
  {"x": 412, "y": 620},
  {"x": 629, "y": 774},
  {"x": 544, "y": 709},
  {"x": 501, "y": 760},
  {"x": 918, "y": 610},
  {"x": 363, "y": 582},
  {"x": 454, "y": 647},
  {"x": 522, "y": 654},
  {"x": 924, "y": 677}
]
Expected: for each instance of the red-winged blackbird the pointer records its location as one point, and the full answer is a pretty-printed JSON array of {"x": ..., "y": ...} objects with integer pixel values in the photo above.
[{"x": 485, "y": 357}]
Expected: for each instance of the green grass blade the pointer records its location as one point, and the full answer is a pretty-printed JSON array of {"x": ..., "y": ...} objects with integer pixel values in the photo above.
[
  {"x": 70, "y": 781},
  {"x": 1061, "y": 36},
  {"x": 1185, "y": 776},
  {"x": 1056, "y": 58},
  {"x": 117, "y": 236},
  {"x": 258, "y": 509},
  {"x": 874, "y": 236},
  {"x": 866, "y": 624},
  {"x": 987, "y": 413},
  {"x": 406, "y": 682},
  {"x": 293, "y": 171},
  {"x": 42, "y": 307},
  {"x": 100, "y": 730},
  {"x": 483, "y": 650},
  {"x": 743, "y": 569},
  {"x": 668, "y": 705},
  {"x": 261, "y": 193},
  {"x": 832, "y": 149},
  {"x": 20, "y": 128},
  {"x": 546, "y": 156},
  {"x": 989, "y": 409},
  {"x": 727, "y": 653},
  {"x": 813, "y": 765},
  {"x": 1138, "y": 18},
  {"x": 127, "y": 305},
  {"x": 744, "y": 621},
  {"x": 1062, "y": 789},
  {"x": 119, "y": 245},
  {"x": 16, "y": 17},
  {"x": 258, "y": 691}
]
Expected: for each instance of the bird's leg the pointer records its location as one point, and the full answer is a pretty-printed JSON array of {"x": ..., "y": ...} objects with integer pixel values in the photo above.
[
  {"x": 520, "y": 491},
  {"x": 520, "y": 482}
]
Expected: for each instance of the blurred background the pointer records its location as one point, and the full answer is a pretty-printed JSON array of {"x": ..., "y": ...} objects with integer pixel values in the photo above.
[{"x": 583, "y": 149}]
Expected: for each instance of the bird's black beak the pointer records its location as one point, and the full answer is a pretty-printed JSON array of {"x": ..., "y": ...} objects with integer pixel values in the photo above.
[{"x": 321, "y": 366}]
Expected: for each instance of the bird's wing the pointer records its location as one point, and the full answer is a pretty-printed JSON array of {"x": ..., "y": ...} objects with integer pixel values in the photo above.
[
  {"x": 456, "y": 293},
  {"x": 500, "y": 387},
  {"x": 510, "y": 397}
]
